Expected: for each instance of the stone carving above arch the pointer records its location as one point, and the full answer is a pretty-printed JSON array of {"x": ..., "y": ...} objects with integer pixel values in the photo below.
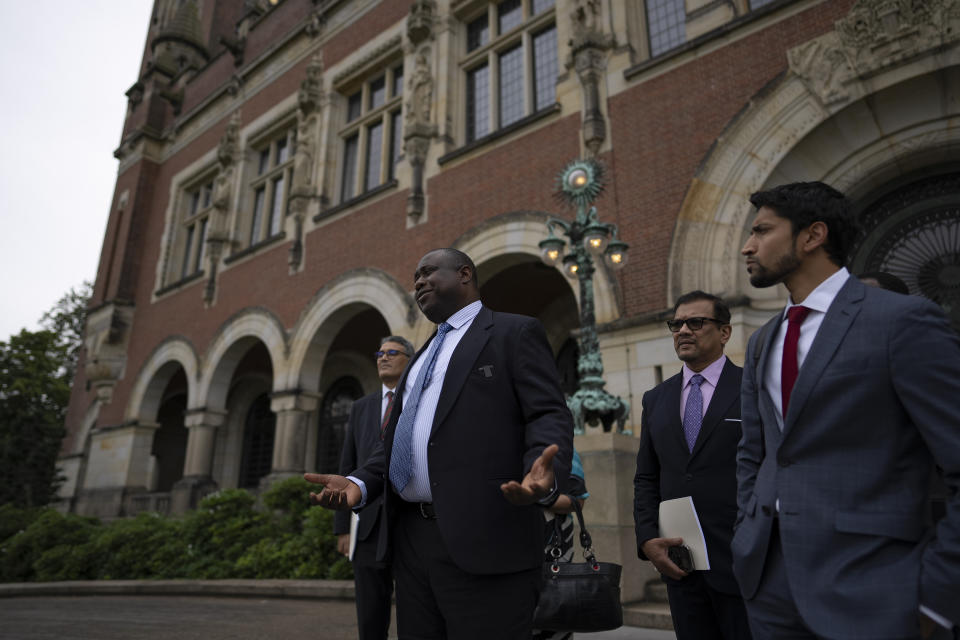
[
  {"x": 170, "y": 355},
  {"x": 521, "y": 232},
  {"x": 230, "y": 345},
  {"x": 330, "y": 308},
  {"x": 873, "y": 37},
  {"x": 827, "y": 79}
]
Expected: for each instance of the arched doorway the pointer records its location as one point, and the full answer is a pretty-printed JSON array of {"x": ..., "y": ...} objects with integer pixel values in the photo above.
[
  {"x": 258, "y": 433},
  {"x": 912, "y": 231},
  {"x": 334, "y": 416},
  {"x": 349, "y": 371},
  {"x": 521, "y": 283},
  {"x": 170, "y": 440}
]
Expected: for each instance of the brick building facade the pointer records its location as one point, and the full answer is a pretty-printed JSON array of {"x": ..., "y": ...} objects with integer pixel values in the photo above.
[{"x": 285, "y": 163}]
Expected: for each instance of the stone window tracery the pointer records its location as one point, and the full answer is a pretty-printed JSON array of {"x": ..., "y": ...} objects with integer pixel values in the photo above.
[
  {"x": 510, "y": 67},
  {"x": 372, "y": 135}
]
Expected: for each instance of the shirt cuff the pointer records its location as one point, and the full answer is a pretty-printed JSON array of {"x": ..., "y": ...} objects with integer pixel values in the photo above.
[
  {"x": 936, "y": 617},
  {"x": 363, "y": 491}
]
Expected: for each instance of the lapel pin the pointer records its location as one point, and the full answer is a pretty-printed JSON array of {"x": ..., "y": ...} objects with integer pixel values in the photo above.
[{"x": 487, "y": 370}]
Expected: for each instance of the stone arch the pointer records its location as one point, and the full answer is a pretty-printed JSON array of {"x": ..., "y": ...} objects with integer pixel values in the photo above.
[
  {"x": 331, "y": 307},
  {"x": 843, "y": 113},
  {"x": 167, "y": 358},
  {"x": 233, "y": 341},
  {"x": 521, "y": 232}
]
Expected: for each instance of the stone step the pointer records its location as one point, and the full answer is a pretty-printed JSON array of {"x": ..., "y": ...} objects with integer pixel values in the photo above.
[
  {"x": 649, "y": 615},
  {"x": 656, "y": 591}
]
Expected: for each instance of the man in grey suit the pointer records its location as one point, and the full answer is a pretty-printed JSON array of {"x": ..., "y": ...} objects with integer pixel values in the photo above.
[
  {"x": 372, "y": 578},
  {"x": 850, "y": 395}
]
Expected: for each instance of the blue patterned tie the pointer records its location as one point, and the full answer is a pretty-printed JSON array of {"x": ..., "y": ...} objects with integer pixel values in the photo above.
[
  {"x": 401, "y": 462},
  {"x": 693, "y": 412}
]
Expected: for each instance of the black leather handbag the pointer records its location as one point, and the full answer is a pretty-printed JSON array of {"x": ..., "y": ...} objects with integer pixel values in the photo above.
[{"x": 578, "y": 596}]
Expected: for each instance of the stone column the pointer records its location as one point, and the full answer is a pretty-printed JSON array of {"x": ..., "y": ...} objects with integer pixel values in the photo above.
[
  {"x": 609, "y": 464},
  {"x": 197, "y": 480},
  {"x": 294, "y": 410}
]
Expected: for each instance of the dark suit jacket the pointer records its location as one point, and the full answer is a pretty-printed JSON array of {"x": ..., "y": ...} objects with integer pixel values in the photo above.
[
  {"x": 876, "y": 402},
  {"x": 499, "y": 407},
  {"x": 666, "y": 469},
  {"x": 363, "y": 436}
]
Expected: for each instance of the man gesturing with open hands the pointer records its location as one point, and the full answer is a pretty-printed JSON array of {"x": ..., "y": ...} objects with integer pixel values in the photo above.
[{"x": 479, "y": 436}]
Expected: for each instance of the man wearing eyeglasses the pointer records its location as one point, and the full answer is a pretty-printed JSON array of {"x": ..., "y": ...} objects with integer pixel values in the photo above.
[
  {"x": 690, "y": 427},
  {"x": 373, "y": 579}
]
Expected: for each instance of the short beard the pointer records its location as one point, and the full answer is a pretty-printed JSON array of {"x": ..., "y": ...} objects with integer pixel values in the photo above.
[{"x": 763, "y": 277}]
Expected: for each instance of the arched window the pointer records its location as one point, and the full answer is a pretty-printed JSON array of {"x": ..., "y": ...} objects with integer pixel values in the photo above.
[
  {"x": 170, "y": 442},
  {"x": 334, "y": 415},
  {"x": 258, "y": 433}
]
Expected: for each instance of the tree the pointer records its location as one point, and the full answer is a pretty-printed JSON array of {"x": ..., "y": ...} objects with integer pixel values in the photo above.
[
  {"x": 36, "y": 371},
  {"x": 34, "y": 390},
  {"x": 68, "y": 319}
]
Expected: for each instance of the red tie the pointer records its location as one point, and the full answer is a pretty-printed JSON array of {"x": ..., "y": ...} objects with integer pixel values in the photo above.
[
  {"x": 789, "y": 367},
  {"x": 386, "y": 413}
]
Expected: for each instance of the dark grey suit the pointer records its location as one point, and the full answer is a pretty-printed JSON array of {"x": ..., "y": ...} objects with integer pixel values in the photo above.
[
  {"x": 667, "y": 469},
  {"x": 876, "y": 403},
  {"x": 373, "y": 579}
]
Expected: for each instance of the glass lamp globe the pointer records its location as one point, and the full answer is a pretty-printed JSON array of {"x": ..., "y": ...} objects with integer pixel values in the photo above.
[
  {"x": 616, "y": 255},
  {"x": 570, "y": 266},
  {"x": 551, "y": 250}
]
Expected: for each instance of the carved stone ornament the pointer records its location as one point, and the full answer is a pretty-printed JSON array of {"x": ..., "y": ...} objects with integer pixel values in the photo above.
[
  {"x": 876, "y": 35},
  {"x": 587, "y": 28},
  {"x": 234, "y": 86},
  {"x": 315, "y": 23},
  {"x": 311, "y": 89},
  {"x": 420, "y": 21},
  {"x": 420, "y": 90},
  {"x": 135, "y": 94}
]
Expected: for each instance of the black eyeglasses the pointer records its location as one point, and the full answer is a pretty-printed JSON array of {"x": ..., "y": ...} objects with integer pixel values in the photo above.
[
  {"x": 388, "y": 352},
  {"x": 695, "y": 324}
]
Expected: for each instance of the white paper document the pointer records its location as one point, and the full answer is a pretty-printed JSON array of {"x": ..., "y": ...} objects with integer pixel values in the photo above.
[
  {"x": 678, "y": 519},
  {"x": 354, "y": 521}
]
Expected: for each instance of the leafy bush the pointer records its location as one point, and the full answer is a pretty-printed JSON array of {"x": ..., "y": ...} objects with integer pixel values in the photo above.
[
  {"x": 51, "y": 529},
  {"x": 226, "y": 537}
]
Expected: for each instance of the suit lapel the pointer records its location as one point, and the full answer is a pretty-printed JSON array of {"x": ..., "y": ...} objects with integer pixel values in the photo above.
[
  {"x": 768, "y": 412},
  {"x": 836, "y": 323},
  {"x": 670, "y": 409},
  {"x": 461, "y": 363},
  {"x": 727, "y": 391}
]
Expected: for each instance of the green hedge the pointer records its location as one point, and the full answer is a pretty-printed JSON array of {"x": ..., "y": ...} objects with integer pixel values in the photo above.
[{"x": 228, "y": 536}]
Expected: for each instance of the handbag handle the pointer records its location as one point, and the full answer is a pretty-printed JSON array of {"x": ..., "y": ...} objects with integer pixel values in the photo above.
[{"x": 586, "y": 542}]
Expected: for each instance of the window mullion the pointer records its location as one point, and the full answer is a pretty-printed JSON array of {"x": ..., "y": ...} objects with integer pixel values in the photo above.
[
  {"x": 493, "y": 79},
  {"x": 528, "y": 98}
]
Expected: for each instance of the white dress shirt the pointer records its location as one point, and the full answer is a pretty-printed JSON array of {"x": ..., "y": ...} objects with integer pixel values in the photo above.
[
  {"x": 418, "y": 488},
  {"x": 818, "y": 302}
]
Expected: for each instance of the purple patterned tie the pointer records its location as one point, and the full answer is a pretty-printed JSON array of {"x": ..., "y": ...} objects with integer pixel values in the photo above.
[{"x": 693, "y": 412}]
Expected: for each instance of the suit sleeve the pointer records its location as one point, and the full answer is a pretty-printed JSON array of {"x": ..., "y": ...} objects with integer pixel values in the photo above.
[
  {"x": 925, "y": 366},
  {"x": 646, "y": 481},
  {"x": 348, "y": 462},
  {"x": 750, "y": 449},
  {"x": 544, "y": 409}
]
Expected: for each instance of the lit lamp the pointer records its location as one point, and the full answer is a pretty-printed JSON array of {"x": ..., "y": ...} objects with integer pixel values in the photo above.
[
  {"x": 551, "y": 249},
  {"x": 616, "y": 254},
  {"x": 595, "y": 238},
  {"x": 580, "y": 183}
]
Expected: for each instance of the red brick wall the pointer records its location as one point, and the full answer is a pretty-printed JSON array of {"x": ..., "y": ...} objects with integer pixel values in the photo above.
[{"x": 664, "y": 127}]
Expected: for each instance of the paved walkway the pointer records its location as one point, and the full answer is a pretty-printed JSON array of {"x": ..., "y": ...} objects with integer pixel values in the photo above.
[{"x": 114, "y": 611}]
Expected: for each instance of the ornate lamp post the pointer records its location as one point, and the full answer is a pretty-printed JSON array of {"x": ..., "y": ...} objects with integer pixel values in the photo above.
[{"x": 580, "y": 184}]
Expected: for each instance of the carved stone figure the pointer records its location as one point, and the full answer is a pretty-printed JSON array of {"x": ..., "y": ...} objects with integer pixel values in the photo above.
[
  {"x": 311, "y": 89},
  {"x": 421, "y": 90},
  {"x": 420, "y": 21}
]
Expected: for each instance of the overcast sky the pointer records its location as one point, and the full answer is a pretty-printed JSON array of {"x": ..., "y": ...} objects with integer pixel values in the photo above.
[{"x": 64, "y": 68}]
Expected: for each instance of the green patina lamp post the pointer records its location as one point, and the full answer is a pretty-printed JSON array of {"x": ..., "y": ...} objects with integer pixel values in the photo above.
[{"x": 580, "y": 184}]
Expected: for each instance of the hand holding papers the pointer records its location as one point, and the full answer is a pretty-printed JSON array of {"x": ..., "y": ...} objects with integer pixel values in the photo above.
[{"x": 678, "y": 519}]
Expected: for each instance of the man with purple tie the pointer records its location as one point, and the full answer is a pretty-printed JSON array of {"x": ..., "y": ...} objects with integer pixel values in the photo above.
[{"x": 689, "y": 431}]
